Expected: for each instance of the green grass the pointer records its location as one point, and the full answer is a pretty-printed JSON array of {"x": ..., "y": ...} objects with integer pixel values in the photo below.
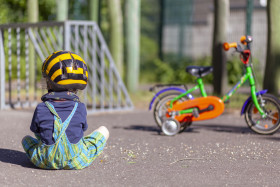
[
  {"x": 141, "y": 99},
  {"x": 237, "y": 101}
]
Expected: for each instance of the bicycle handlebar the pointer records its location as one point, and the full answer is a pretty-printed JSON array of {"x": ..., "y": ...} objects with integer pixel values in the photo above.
[
  {"x": 227, "y": 46},
  {"x": 244, "y": 53},
  {"x": 243, "y": 40}
]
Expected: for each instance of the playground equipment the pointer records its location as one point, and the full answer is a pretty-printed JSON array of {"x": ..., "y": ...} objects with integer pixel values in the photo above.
[
  {"x": 26, "y": 45},
  {"x": 175, "y": 108}
]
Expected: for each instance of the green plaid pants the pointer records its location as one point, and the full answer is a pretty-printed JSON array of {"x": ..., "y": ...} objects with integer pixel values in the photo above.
[{"x": 62, "y": 154}]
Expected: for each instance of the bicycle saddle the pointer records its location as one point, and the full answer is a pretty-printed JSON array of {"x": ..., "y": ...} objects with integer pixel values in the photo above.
[{"x": 199, "y": 71}]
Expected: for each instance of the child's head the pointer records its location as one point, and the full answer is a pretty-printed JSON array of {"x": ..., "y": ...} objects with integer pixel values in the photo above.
[{"x": 65, "y": 71}]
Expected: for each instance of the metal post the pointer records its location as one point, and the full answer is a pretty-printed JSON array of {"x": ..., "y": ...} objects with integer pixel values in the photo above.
[
  {"x": 76, "y": 39},
  {"x": 85, "y": 52},
  {"x": 18, "y": 66},
  {"x": 2, "y": 73},
  {"x": 67, "y": 35},
  {"x": 102, "y": 78},
  {"x": 27, "y": 66},
  {"x": 249, "y": 12},
  {"x": 10, "y": 65},
  {"x": 160, "y": 29}
]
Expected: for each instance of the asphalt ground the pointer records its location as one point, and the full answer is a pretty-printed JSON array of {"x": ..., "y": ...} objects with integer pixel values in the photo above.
[{"x": 217, "y": 152}]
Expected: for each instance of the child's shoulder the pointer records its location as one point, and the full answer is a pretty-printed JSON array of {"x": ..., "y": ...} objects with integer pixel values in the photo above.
[
  {"x": 41, "y": 109},
  {"x": 82, "y": 108},
  {"x": 41, "y": 106},
  {"x": 66, "y": 104}
]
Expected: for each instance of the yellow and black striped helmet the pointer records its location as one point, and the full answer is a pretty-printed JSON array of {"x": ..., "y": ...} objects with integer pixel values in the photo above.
[{"x": 65, "y": 71}]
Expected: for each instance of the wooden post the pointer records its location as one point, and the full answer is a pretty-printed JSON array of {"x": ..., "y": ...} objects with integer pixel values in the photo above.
[
  {"x": 218, "y": 54},
  {"x": 33, "y": 17},
  {"x": 116, "y": 33},
  {"x": 132, "y": 9},
  {"x": 272, "y": 69},
  {"x": 61, "y": 10},
  {"x": 93, "y": 10}
]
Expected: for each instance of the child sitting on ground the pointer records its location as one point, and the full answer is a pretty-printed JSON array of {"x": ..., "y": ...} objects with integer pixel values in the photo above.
[{"x": 59, "y": 121}]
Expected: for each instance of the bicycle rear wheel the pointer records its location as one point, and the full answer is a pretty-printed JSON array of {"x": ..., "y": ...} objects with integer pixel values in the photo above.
[{"x": 163, "y": 104}]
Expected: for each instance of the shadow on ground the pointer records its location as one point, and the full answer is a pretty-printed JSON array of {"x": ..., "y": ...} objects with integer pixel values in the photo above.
[
  {"x": 15, "y": 157},
  {"x": 139, "y": 127},
  {"x": 224, "y": 128},
  {"x": 193, "y": 128},
  {"x": 272, "y": 138}
]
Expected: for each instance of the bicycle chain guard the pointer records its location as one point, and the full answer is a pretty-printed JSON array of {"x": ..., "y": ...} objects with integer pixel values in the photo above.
[{"x": 208, "y": 108}]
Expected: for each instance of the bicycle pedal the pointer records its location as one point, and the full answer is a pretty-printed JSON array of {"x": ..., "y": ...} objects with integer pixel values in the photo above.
[{"x": 195, "y": 113}]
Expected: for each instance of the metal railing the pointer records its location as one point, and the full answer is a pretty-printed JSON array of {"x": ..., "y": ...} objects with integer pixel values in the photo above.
[{"x": 23, "y": 48}]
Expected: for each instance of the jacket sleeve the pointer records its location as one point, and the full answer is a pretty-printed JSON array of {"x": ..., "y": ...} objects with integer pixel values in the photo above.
[
  {"x": 34, "y": 127},
  {"x": 85, "y": 125}
]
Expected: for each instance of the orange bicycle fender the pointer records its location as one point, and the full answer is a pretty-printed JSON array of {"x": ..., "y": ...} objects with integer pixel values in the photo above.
[{"x": 201, "y": 104}]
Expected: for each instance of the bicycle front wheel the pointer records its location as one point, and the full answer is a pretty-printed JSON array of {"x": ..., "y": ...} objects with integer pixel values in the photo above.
[{"x": 269, "y": 125}]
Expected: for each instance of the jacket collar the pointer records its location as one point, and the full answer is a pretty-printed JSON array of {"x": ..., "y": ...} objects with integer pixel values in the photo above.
[{"x": 60, "y": 96}]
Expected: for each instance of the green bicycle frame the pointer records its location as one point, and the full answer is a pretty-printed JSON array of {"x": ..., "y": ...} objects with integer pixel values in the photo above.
[
  {"x": 199, "y": 86},
  {"x": 248, "y": 75}
]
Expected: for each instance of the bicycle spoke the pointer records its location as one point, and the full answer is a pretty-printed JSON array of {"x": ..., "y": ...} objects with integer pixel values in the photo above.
[{"x": 272, "y": 117}]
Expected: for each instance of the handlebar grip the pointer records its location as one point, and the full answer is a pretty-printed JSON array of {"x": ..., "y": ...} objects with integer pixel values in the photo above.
[
  {"x": 227, "y": 46},
  {"x": 243, "y": 40}
]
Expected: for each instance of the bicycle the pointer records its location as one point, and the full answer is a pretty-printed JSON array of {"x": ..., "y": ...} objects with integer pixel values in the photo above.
[{"x": 175, "y": 108}]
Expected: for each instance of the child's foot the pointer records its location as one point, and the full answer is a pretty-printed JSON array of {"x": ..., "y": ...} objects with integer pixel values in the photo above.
[{"x": 103, "y": 130}]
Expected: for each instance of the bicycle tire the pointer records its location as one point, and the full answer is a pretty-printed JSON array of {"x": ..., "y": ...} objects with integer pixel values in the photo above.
[
  {"x": 269, "y": 125},
  {"x": 160, "y": 114}
]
